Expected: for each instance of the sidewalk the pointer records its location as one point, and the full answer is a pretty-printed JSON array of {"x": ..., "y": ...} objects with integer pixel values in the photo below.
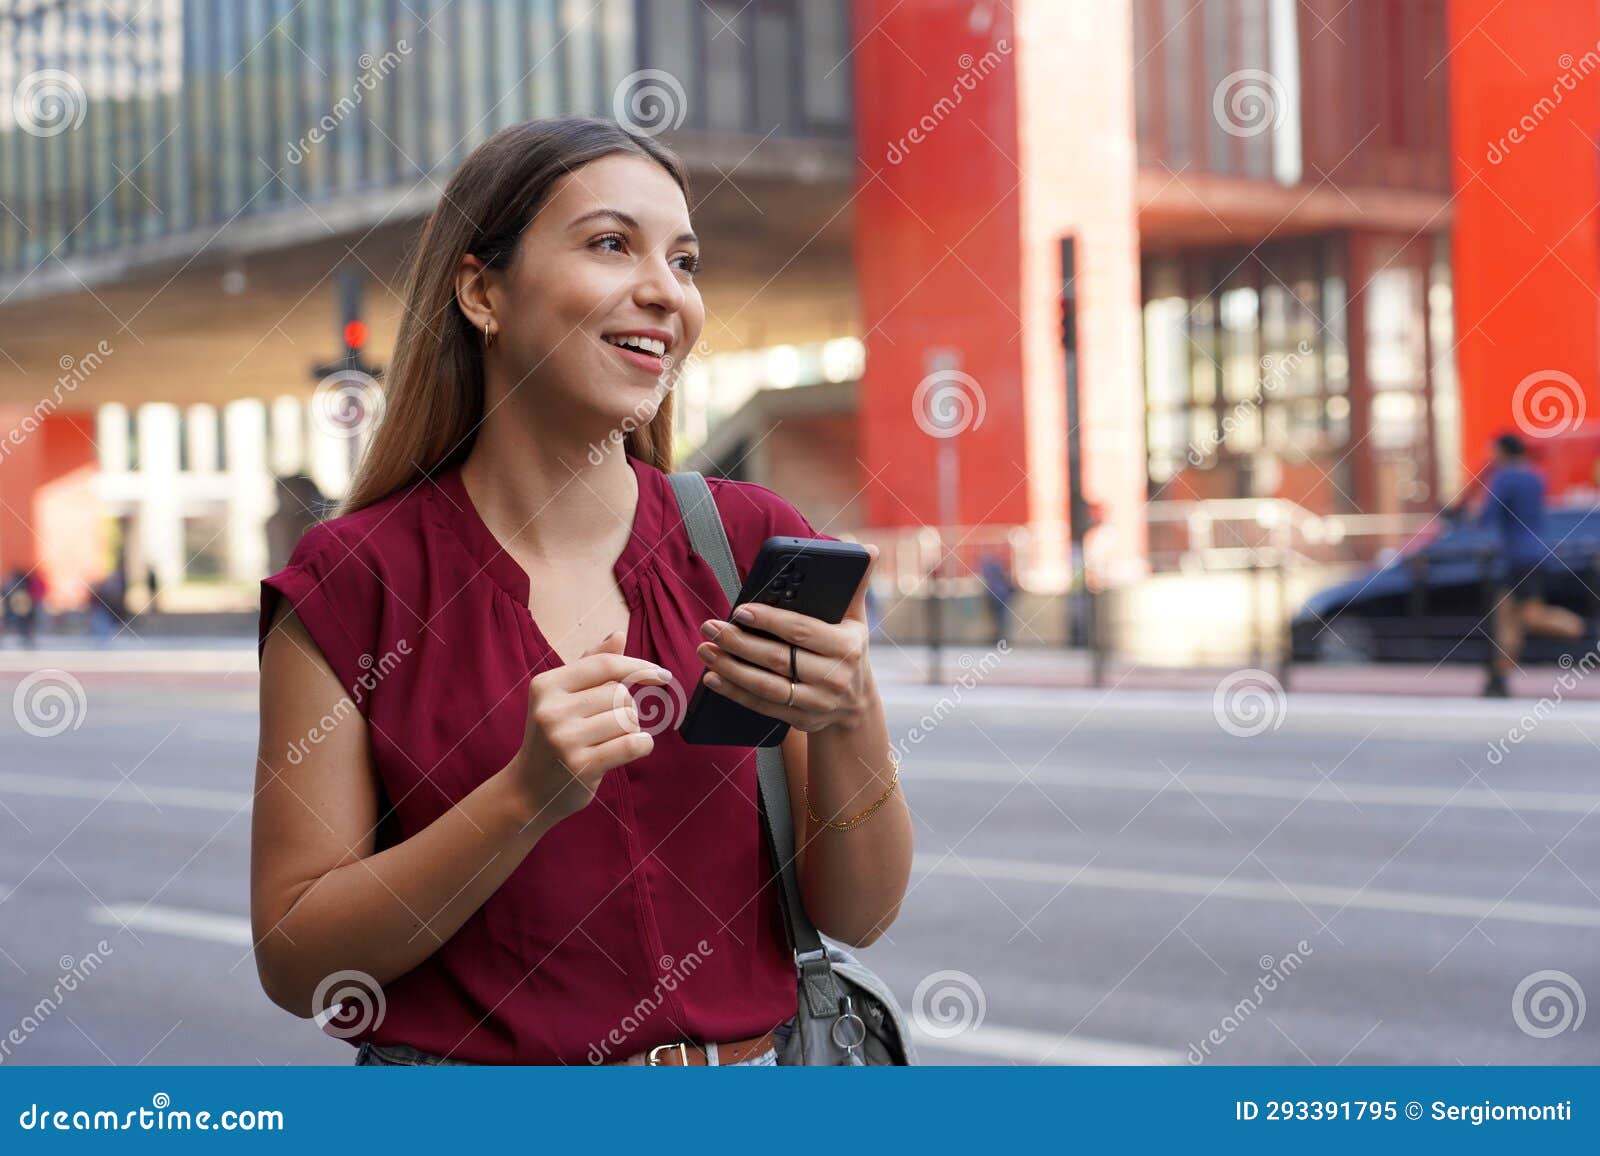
[
  {"x": 1030, "y": 667},
  {"x": 1038, "y": 667}
]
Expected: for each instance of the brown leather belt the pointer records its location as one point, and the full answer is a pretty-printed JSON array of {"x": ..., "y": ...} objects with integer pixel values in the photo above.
[{"x": 684, "y": 1054}]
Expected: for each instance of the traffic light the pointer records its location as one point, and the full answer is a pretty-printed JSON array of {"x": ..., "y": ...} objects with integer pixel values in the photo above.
[{"x": 353, "y": 334}]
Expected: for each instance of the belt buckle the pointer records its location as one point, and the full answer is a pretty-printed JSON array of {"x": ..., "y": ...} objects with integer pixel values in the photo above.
[{"x": 683, "y": 1055}]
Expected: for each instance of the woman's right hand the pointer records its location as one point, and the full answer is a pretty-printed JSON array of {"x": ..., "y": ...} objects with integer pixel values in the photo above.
[{"x": 582, "y": 722}]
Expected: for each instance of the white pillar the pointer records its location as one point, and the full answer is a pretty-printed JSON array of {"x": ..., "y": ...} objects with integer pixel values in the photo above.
[
  {"x": 251, "y": 495},
  {"x": 160, "y": 510}
]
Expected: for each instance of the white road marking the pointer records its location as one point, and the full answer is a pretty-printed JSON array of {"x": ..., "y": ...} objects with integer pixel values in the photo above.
[
  {"x": 1294, "y": 894},
  {"x": 1026, "y": 1046},
  {"x": 234, "y": 658},
  {"x": 181, "y": 921},
  {"x": 1055, "y": 708},
  {"x": 1019, "y": 1045},
  {"x": 123, "y": 791},
  {"x": 1261, "y": 787}
]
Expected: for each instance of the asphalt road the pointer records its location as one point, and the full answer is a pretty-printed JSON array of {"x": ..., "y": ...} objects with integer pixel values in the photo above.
[{"x": 1127, "y": 876}]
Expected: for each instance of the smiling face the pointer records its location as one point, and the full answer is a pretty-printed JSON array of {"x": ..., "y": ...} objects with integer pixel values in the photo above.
[{"x": 599, "y": 298}]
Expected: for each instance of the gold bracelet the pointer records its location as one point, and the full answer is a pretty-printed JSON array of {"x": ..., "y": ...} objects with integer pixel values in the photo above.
[{"x": 854, "y": 820}]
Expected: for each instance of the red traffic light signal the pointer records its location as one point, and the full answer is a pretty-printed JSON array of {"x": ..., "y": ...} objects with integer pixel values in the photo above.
[{"x": 355, "y": 334}]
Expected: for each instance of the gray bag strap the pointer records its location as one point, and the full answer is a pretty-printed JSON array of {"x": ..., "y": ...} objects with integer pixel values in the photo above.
[{"x": 709, "y": 540}]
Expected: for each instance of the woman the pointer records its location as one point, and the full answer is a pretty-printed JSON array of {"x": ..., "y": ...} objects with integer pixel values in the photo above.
[{"x": 464, "y": 825}]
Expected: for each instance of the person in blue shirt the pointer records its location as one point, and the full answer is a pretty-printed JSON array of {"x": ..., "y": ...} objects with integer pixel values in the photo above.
[{"x": 1515, "y": 511}]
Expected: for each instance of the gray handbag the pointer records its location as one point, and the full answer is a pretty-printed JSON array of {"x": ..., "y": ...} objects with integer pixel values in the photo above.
[{"x": 847, "y": 1016}]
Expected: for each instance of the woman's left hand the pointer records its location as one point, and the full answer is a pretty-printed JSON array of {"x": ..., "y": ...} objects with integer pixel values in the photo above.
[{"x": 834, "y": 686}]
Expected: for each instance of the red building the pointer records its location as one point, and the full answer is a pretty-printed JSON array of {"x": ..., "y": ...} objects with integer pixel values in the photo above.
[
  {"x": 1325, "y": 250},
  {"x": 1321, "y": 245}
]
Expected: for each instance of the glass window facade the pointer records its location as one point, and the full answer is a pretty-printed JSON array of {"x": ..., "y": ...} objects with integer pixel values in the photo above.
[
  {"x": 138, "y": 119},
  {"x": 1293, "y": 91},
  {"x": 1249, "y": 383},
  {"x": 1246, "y": 366},
  {"x": 764, "y": 67}
]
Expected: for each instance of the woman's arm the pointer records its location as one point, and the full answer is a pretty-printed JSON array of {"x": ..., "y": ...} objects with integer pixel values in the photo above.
[
  {"x": 852, "y": 881},
  {"x": 320, "y": 900}
]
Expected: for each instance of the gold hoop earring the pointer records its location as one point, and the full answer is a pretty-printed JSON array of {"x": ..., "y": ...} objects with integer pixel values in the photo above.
[{"x": 488, "y": 335}]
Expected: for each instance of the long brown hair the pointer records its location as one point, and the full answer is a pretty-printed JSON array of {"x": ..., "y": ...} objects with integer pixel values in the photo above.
[{"x": 434, "y": 390}]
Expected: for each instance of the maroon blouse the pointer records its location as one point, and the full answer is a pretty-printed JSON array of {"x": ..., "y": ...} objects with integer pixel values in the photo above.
[{"x": 649, "y": 916}]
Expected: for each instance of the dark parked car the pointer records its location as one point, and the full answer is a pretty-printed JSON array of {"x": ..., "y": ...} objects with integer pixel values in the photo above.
[{"x": 1432, "y": 601}]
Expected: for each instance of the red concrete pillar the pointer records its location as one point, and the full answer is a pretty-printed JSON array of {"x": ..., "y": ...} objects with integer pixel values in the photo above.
[
  {"x": 986, "y": 132},
  {"x": 21, "y": 470},
  {"x": 49, "y": 513},
  {"x": 1525, "y": 111}
]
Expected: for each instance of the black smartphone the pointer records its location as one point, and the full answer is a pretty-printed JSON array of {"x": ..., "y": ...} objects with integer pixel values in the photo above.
[{"x": 811, "y": 576}]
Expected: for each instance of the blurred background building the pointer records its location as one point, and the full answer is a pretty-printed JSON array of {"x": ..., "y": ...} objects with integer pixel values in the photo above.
[{"x": 1312, "y": 264}]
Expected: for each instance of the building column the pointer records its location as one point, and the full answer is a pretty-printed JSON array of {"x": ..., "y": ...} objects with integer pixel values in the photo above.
[
  {"x": 1524, "y": 108},
  {"x": 159, "y": 524},
  {"x": 251, "y": 490},
  {"x": 21, "y": 475},
  {"x": 985, "y": 137}
]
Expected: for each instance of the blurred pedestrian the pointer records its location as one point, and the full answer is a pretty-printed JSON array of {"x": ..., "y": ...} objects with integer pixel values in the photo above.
[
  {"x": 108, "y": 606},
  {"x": 874, "y": 614},
  {"x": 301, "y": 505},
  {"x": 998, "y": 590},
  {"x": 22, "y": 594},
  {"x": 1515, "y": 511}
]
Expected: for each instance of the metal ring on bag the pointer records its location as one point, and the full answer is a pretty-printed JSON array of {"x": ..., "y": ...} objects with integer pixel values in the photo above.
[{"x": 855, "y": 1026}]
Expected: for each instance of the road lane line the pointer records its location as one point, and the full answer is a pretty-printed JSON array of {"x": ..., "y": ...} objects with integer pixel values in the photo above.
[
  {"x": 186, "y": 922},
  {"x": 1133, "y": 781},
  {"x": 122, "y": 791},
  {"x": 1195, "y": 705},
  {"x": 1026, "y": 1046},
  {"x": 1019, "y": 1045},
  {"x": 222, "y": 660},
  {"x": 1251, "y": 787},
  {"x": 1301, "y": 895}
]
